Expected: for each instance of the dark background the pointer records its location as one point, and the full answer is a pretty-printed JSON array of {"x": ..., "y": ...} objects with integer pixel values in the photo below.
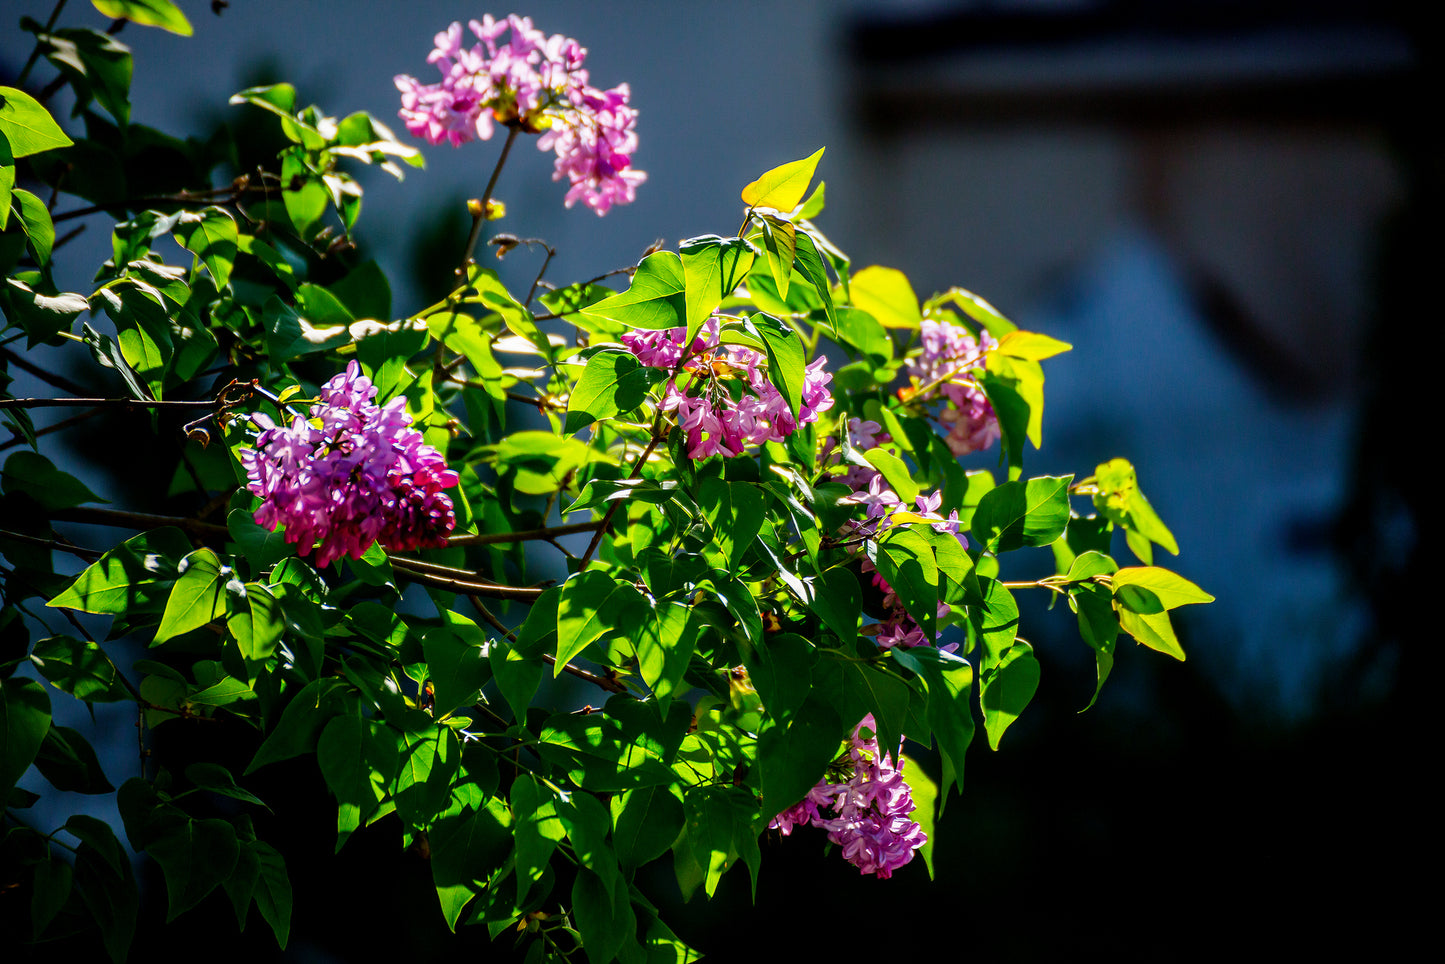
[{"x": 1232, "y": 210}]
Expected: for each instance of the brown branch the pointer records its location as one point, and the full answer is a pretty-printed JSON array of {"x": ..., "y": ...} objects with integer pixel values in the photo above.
[
  {"x": 19, "y": 438},
  {"x": 126, "y": 403},
  {"x": 523, "y": 535},
  {"x": 466, "y": 586},
  {"x": 137, "y": 520}
]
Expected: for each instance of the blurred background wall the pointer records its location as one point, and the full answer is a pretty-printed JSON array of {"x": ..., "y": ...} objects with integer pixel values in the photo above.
[{"x": 1230, "y": 209}]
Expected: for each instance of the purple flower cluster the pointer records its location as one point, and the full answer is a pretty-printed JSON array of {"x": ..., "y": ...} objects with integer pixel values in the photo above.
[
  {"x": 351, "y": 474},
  {"x": 950, "y": 355},
  {"x": 535, "y": 83},
  {"x": 870, "y": 809},
  {"x": 716, "y": 422}
]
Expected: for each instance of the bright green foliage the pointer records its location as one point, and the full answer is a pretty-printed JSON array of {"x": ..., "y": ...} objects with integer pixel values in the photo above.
[{"x": 721, "y": 612}]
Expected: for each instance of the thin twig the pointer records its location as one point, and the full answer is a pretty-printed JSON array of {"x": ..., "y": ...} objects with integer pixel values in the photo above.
[
  {"x": 49, "y": 377},
  {"x": 64, "y": 423},
  {"x": 127, "y": 403},
  {"x": 466, "y": 586},
  {"x": 35, "y": 53},
  {"x": 120, "y": 518}
]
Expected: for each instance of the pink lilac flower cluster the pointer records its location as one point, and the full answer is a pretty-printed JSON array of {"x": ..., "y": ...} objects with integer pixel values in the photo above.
[
  {"x": 870, "y": 810},
  {"x": 351, "y": 474},
  {"x": 717, "y": 423},
  {"x": 537, "y": 84},
  {"x": 950, "y": 356}
]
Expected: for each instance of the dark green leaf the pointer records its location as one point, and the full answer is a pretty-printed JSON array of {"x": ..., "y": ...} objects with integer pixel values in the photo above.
[
  {"x": 34, "y": 220},
  {"x": 68, "y": 761},
  {"x": 78, "y": 667},
  {"x": 134, "y": 576},
  {"x": 646, "y": 822},
  {"x": 37, "y": 477},
  {"x": 302, "y": 721},
  {"x": 904, "y": 558},
  {"x": 212, "y": 236},
  {"x": 24, "y": 721}
]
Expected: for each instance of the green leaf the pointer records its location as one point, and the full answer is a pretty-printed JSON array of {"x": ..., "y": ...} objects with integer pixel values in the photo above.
[
  {"x": 466, "y": 847},
  {"x": 655, "y": 299},
  {"x": 148, "y": 13},
  {"x": 592, "y": 604},
  {"x": 78, "y": 667},
  {"x": 212, "y": 236},
  {"x": 949, "y": 680},
  {"x": 1169, "y": 589},
  {"x": 199, "y": 596},
  {"x": 712, "y": 267},
  {"x": 904, "y": 558},
  {"x": 135, "y": 576},
  {"x": 783, "y": 187},
  {"x": 1153, "y": 629},
  {"x": 895, "y": 473},
  {"x": 96, "y": 64},
  {"x": 613, "y": 383},
  {"x": 423, "y": 786},
  {"x": 106, "y": 885},
  {"x": 925, "y": 806},
  {"x": 810, "y": 263},
  {"x": 195, "y": 856},
  {"x": 257, "y": 621},
  {"x": 537, "y": 831},
  {"x": 68, "y": 761},
  {"x": 795, "y": 750},
  {"x": 456, "y": 663},
  {"x": 996, "y": 621},
  {"x": 838, "y": 602},
  {"x": 35, "y": 222},
  {"x": 605, "y": 920},
  {"x": 886, "y": 295},
  {"x": 601, "y": 756},
  {"x": 51, "y": 889},
  {"x": 735, "y": 511},
  {"x": 27, "y": 126},
  {"x": 304, "y": 196},
  {"x": 7, "y": 180},
  {"x": 1006, "y": 688},
  {"x": 41, "y": 316},
  {"x": 288, "y": 335},
  {"x": 781, "y": 244},
  {"x": 302, "y": 722},
  {"x": 36, "y": 476},
  {"x": 1122, "y": 502},
  {"x": 786, "y": 362},
  {"x": 24, "y": 722},
  {"x": 273, "y": 890},
  {"x": 217, "y": 779},
  {"x": 1017, "y": 514},
  {"x": 862, "y": 331},
  {"x": 646, "y": 822},
  {"x": 664, "y": 639},
  {"x": 517, "y": 676}
]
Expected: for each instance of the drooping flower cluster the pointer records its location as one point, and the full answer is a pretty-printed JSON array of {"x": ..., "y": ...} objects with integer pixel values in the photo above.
[
  {"x": 537, "y": 84},
  {"x": 716, "y": 420},
  {"x": 944, "y": 370},
  {"x": 870, "y": 809},
  {"x": 351, "y": 474}
]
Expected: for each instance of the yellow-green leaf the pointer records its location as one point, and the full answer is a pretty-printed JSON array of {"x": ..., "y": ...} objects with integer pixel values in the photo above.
[
  {"x": 783, "y": 188},
  {"x": 148, "y": 13},
  {"x": 1031, "y": 345},
  {"x": 886, "y": 295}
]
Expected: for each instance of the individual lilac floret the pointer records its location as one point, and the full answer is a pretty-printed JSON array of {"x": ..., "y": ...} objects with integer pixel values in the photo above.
[
  {"x": 716, "y": 423},
  {"x": 949, "y": 358},
  {"x": 349, "y": 475},
  {"x": 872, "y": 808},
  {"x": 537, "y": 84}
]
